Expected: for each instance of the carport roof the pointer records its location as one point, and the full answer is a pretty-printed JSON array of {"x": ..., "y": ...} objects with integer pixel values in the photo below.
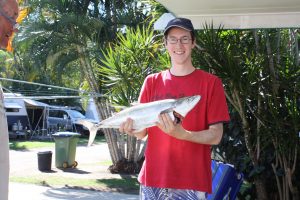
[{"x": 236, "y": 14}]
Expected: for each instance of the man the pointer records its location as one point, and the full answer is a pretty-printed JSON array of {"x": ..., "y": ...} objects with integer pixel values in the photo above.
[
  {"x": 177, "y": 159},
  {"x": 8, "y": 15}
]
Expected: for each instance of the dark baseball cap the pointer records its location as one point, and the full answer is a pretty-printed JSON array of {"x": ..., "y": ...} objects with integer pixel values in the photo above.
[{"x": 180, "y": 23}]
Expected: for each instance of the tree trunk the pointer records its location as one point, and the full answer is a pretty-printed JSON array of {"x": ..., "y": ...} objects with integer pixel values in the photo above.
[
  {"x": 259, "y": 183},
  {"x": 260, "y": 189},
  {"x": 122, "y": 149}
]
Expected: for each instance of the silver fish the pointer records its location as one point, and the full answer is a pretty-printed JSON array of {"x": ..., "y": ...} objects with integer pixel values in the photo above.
[{"x": 145, "y": 115}]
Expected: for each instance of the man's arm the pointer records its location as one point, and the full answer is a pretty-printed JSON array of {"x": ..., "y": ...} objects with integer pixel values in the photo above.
[{"x": 211, "y": 136}]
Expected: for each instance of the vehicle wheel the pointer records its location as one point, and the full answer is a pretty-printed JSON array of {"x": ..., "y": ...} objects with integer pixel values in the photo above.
[
  {"x": 75, "y": 164},
  {"x": 65, "y": 165}
]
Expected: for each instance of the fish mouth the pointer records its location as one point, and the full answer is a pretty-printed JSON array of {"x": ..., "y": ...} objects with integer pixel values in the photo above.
[{"x": 177, "y": 117}]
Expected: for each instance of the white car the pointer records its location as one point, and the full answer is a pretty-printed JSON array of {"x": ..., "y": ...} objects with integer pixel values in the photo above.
[{"x": 65, "y": 119}]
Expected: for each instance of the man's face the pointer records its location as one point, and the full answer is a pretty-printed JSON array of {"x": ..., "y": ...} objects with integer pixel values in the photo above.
[
  {"x": 179, "y": 44},
  {"x": 8, "y": 16}
]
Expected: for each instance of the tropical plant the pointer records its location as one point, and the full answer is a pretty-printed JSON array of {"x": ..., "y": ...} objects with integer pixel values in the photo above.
[
  {"x": 124, "y": 68},
  {"x": 54, "y": 38},
  {"x": 260, "y": 72},
  {"x": 126, "y": 64},
  {"x": 6, "y": 63}
]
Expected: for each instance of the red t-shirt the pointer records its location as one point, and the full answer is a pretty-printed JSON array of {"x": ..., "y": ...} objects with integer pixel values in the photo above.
[{"x": 173, "y": 163}]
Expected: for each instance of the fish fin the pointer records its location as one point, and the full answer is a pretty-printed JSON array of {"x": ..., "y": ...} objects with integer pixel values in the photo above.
[
  {"x": 93, "y": 128},
  {"x": 86, "y": 123},
  {"x": 135, "y": 103},
  {"x": 93, "y": 133}
]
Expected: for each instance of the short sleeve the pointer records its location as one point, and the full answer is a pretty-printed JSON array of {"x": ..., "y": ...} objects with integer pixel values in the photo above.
[
  {"x": 145, "y": 92},
  {"x": 217, "y": 106}
]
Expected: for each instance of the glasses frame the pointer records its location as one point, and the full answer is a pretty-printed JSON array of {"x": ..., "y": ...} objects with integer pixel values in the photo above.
[
  {"x": 12, "y": 21},
  {"x": 173, "y": 39}
]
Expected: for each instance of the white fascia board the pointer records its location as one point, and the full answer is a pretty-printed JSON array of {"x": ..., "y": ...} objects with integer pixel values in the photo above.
[
  {"x": 247, "y": 21},
  {"x": 237, "y": 21}
]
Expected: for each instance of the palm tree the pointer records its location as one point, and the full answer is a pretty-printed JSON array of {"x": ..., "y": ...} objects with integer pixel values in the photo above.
[{"x": 56, "y": 35}]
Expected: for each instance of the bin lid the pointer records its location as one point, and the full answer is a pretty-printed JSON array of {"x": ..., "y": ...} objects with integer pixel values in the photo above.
[
  {"x": 65, "y": 134},
  {"x": 45, "y": 152}
]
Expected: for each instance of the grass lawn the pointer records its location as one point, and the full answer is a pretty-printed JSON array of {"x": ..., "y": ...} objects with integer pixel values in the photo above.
[{"x": 31, "y": 144}]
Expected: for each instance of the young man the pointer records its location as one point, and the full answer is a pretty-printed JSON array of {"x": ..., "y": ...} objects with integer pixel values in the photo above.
[
  {"x": 177, "y": 159},
  {"x": 8, "y": 15}
]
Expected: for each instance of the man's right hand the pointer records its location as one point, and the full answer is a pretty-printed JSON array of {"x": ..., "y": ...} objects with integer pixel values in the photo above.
[{"x": 127, "y": 128}]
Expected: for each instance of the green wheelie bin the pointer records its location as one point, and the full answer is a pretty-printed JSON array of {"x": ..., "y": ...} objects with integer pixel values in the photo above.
[{"x": 65, "y": 149}]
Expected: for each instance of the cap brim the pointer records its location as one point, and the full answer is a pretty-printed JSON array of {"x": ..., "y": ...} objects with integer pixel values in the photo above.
[{"x": 172, "y": 26}]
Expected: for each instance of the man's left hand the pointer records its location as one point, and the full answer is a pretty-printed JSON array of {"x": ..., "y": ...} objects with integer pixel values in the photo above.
[{"x": 170, "y": 127}]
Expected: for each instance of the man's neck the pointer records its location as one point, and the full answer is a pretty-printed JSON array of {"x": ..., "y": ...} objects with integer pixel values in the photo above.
[{"x": 182, "y": 70}]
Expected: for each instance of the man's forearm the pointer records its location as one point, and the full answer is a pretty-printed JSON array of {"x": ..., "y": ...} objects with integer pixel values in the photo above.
[
  {"x": 211, "y": 136},
  {"x": 141, "y": 134}
]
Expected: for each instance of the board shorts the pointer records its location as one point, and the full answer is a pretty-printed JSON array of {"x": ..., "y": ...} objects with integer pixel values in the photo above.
[{"x": 152, "y": 193}]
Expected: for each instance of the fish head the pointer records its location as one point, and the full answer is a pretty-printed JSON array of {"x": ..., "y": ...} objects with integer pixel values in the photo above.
[{"x": 185, "y": 104}]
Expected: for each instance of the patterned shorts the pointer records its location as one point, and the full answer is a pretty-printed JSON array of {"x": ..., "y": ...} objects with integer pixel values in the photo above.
[{"x": 152, "y": 193}]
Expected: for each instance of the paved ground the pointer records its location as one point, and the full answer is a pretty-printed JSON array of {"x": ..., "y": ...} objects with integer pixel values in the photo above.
[
  {"x": 34, "y": 192},
  {"x": 92, "y": 161}
]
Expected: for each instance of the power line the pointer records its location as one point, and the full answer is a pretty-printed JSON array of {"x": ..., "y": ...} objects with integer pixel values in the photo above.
[
  {"x": 94, "y": 94},
  {"x": 42, "y": 97}
]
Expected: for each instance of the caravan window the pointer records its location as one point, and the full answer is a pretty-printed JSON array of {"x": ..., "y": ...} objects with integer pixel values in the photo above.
[
  {"x": 57, "y": 113},
  {"x": 12, "y": 109},
  {"x": 54, "y": 113}
]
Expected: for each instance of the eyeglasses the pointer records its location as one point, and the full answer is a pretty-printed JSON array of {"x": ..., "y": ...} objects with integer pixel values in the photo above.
[
  {"x": 183, "y": 40},
  {"x": 10, "y": 19}
]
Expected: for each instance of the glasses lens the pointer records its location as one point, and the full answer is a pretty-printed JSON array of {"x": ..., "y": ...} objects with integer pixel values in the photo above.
[
  {"x": 184, "y": 40},
  {"x": 172, "y": 40}
]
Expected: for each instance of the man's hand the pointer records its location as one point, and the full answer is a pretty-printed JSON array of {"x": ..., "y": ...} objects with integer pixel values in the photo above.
[
  {"x": 127, "y": 127},
  {"x": 170, "y": 127}
]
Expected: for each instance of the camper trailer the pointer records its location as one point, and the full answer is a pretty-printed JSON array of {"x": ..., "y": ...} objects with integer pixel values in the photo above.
[
  {"x": 17, "y": 118},
  {"x": 39, "y": 119},
  {"x": 24, "y": 116}
]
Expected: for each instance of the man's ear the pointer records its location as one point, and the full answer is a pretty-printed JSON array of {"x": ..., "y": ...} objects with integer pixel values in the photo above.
[
  {"x": 165, "y": 41},
  {"x": 194, "y": 43}
]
